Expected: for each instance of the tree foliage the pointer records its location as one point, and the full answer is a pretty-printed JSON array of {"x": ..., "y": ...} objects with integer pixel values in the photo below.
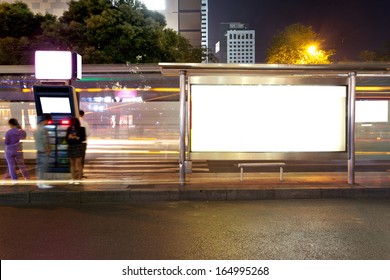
[
  {"x": 102, "y": 31},
  {"x": 381, "y": 55},
  {"x": 297, "y": 44},
  {"x": 17, "y": 20}
]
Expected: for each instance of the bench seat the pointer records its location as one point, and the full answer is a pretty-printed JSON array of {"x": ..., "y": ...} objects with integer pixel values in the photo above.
[{"x": 261, "y": 164}]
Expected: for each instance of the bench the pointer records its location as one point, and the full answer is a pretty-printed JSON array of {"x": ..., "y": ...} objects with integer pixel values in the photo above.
[{"x": 261, "y": 164}]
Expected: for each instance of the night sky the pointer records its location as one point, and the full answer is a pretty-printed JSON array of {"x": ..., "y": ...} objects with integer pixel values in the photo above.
[{"x": 347, "y": 26}]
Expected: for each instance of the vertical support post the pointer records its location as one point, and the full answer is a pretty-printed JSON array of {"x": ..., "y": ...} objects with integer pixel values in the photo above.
[
  {"x": 182, "y": 119},
  {"x": 281, "y": 174},
  {"x": 351, "y": 127},
  {"x": 188, "y": 132}
]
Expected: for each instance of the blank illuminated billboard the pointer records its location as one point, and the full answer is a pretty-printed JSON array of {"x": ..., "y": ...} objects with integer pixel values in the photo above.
[
  {"x": 53, "y": 65},
  {"x": 268, "y": 118},
  {"x": 57, "y": 65}
]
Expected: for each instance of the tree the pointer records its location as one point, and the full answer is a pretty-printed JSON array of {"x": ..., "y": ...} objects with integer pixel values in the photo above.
[
  {"x": 18, "y": 30},
  {"x": 19, "y": 53},
  {"x": 385, "y": 54},
  {"x": 17, "y": 20},
  {"x": 102, "y": 31},
  {"x": 382, "y": 55},
  {"x": 297, "y": 44},
  {"x": 118, "y": 31},
  {"x": 367, "y": 55}
]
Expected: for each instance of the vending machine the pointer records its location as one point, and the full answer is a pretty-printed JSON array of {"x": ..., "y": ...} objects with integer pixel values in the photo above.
[{"x": 62, "y": 103}]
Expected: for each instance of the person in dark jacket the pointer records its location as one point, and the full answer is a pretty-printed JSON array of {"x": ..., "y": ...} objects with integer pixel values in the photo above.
[{"x": 75, "y": 136}]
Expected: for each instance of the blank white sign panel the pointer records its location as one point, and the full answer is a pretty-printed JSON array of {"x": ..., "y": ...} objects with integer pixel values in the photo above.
[
  {"x": 372, "y": 111},
  {"x": 274, "y": 118}
]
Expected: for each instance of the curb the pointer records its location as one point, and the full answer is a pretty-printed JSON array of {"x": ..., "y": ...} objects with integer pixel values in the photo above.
[{"x": 178, "y": 193}]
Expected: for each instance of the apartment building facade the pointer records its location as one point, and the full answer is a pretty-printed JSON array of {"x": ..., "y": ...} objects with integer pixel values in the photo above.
[{"x": 236, "y": 44}]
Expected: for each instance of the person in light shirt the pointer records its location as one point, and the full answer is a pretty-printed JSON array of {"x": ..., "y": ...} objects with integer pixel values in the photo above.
[{"x": 42, "y": 143}]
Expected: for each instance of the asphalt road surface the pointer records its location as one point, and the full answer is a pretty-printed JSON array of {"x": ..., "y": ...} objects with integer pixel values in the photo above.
[{"x": 244, "y": 230}]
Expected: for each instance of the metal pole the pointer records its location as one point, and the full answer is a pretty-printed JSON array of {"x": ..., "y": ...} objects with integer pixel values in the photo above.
[
  {"x": 182, "y": 148},
  {"x": 351, "y": 127}
]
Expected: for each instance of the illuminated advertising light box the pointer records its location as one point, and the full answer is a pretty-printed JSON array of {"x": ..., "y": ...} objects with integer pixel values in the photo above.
[
  {"x": 369, "y": 111},
  {"x": 268, "y": 118},
  {"x": 57, "y": 65}
]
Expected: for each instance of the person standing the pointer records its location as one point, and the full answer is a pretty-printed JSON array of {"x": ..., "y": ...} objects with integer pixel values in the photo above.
[
  {"x": 84, "y": 124},
  {"x": 43, "y": 147},
  {"x": 75, "y": 136},
  {"x": 14, "y": 149}
]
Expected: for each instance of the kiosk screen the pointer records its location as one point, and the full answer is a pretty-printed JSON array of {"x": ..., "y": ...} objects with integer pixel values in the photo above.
[{"x": 56, "y": 105}]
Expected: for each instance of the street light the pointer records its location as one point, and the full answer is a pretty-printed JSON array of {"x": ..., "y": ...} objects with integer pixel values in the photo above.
[{"x": 312, "y": 50}]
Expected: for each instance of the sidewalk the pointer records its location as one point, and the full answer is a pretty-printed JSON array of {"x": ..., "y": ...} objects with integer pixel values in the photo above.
[{"x": 200, "y": 186}]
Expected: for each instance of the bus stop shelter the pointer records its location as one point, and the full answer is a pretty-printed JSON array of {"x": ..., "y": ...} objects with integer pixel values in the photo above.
[{"x": 268, "y": 111}]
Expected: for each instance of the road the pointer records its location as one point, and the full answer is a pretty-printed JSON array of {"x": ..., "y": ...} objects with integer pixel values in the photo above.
[{"x": 268, "y": 229}]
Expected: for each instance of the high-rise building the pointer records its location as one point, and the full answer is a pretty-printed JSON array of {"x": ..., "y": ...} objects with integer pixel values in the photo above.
[
  {"x": 189, "y": 18},
  {"x": 237, "y": 43},
  {"x": 205, "y": 24}
]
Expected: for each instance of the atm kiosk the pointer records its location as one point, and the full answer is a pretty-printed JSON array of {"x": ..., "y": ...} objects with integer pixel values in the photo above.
[
  {"x": 62, "y": 103},
  {"x": 55, "y": 95}
]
